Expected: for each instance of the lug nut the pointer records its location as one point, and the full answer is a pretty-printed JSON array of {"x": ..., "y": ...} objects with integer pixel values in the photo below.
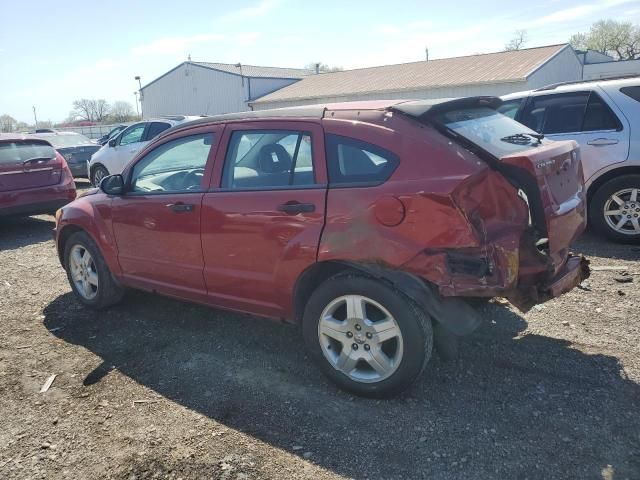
[
  {"x": 349, "y": 334},
  {"x": 366, "y": 347},
  {"x": 369, "y": 335},
  {"x": 358, "y": 327},
  {"x": 354, "y": 346}
]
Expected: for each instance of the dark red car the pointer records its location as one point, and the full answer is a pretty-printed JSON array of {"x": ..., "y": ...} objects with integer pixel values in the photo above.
[
  {"x": 34, "y": 178},
  {"x": 371, "y": 224}
]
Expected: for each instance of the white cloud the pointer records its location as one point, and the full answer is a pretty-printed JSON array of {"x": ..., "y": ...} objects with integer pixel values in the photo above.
[
  {"x": 259, "y": 9},
  {"x": 575, "y": 13}
]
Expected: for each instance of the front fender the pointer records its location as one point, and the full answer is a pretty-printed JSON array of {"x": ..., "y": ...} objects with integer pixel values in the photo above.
[{"x": 93, "y": 216}]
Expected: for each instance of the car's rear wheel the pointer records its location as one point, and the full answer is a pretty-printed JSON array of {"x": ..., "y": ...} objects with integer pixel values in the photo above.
[
  {"x": 98, "y": 173},
  {"x": 88, "y": 274},
  {"x": 614, "y": 210},
  {"x": 366, "y": 336}
]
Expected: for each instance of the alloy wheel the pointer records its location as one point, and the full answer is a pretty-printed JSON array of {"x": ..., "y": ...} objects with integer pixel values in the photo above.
[
  {"x": 83, "y": 272},
  {"x": 360, "y": 338},
  {"x": 622, "y": 211}
]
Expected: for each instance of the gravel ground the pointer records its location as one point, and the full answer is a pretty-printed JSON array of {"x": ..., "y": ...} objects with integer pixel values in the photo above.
[{"x": 156, "y": 388}]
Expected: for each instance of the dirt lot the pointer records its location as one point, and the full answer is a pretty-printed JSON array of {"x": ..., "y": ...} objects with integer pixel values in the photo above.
[{"x": 156, "y": 388}]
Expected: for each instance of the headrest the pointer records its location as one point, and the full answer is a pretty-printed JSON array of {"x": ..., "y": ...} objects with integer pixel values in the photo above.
[{"x": 274, "y": 158}]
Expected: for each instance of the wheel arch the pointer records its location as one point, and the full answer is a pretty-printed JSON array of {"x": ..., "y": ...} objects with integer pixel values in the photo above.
[
  {"x": 63, "y": 237},
  {"x": 610, "y": 175},
  {"x": 92, "y": 169},
  {"x": 454, "y": 314}
]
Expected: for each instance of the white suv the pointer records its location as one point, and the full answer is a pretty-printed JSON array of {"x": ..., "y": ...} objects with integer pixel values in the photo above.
[
  {"x": 118, "y": 151},
  {"x": 603, "y": 116}
]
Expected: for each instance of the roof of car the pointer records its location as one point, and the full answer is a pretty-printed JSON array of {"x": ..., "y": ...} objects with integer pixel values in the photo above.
[
  {"x": 413, "y": 108},
  {"x": 11, "y": 137},
  {"x": 578, "y": 85}
]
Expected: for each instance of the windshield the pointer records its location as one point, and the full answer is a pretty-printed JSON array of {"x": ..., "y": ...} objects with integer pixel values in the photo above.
[
  {"x": 490, "y": 130},
  {"x": 61, "y": 141}
]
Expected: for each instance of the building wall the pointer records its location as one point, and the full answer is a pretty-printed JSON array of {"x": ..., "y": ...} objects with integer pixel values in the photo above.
[
  {"x": 433, "y": 93},
  {"x": 564, "y": 67},
  {"x": 194, "y": 90},
  {"x": 611, "y": 69}
]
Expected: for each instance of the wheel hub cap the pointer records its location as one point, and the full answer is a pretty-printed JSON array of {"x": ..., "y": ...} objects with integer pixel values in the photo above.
[{"x": 83, "y": 272}]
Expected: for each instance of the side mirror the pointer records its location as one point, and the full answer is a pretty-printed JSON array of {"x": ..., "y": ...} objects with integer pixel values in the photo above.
[
  {"x": 112, "y": 185},
  {"x": 112, "y": 143}
]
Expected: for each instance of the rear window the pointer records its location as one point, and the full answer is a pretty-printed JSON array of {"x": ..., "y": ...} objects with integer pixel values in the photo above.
[
  {"x": 489, "y": 129},
  {"x": 62, "y": 141},
  {"x": 21, "y": 151},
  {"x": 352, "y": 161},
  {"x": 633, "y": 92}
]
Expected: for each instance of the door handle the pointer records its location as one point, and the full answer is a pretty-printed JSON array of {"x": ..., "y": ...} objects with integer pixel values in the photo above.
[
  {"x": 292, "y": 208},
  {"x": 180, "y": 207},
  {"x": 133, "y": 151},
  {"x": 600, "y": 142}
]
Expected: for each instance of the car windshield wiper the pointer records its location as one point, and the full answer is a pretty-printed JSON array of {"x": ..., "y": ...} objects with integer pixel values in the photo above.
[
  {"x": 37, "y": 160},
  {"x": 522, "y": 138}
]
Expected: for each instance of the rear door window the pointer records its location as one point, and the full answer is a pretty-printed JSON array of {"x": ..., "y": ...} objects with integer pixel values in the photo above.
[
  {"x": 266, "y": 159},
  {"x": 155, "y": 129},
  {"x": 352, "y": 161},
  {"x": 569, "y": 113},
  {"x": 560, "y": 113}
]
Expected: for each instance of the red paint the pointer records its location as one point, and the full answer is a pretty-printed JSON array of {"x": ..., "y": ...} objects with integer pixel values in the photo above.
[
  {"x": 29, "y": 189},
  {"x": 238, "y": 250}
]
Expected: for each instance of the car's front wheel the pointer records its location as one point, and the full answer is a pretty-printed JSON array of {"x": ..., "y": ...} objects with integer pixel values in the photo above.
[
  {"x": 614, "y": 210},
  {"x": 366, "y": 336},
  {"x": 88, "y": 274},
  {"x": 98, "y": 173}
]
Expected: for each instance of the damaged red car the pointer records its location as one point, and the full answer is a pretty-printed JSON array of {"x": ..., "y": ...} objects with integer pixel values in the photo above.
[{"x": 371, "y": 224}]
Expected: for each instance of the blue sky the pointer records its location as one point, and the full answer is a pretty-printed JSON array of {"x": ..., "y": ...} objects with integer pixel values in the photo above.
[{"x": 53, "y": 53}]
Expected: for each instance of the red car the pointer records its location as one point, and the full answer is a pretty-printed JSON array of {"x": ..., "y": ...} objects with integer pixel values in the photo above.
[
  {"x": 371, "y": 224},
  {"x": 34, "y": 178}
]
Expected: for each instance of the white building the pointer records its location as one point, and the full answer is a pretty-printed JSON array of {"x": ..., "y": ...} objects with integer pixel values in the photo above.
[
  {"x": 202, "y": 88},
  {"x": 486, "y": 74}
]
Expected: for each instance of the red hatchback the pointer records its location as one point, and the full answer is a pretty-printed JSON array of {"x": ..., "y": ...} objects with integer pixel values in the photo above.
[
  {"x": 34, "y": 178},
  {"x": 371, "y": 224}
]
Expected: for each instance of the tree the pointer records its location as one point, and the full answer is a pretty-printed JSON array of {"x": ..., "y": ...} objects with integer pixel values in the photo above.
[
  {"x": 621, "y": 40},
  {"x": 520, "y": 37},
  {"x": 322, "y": 67},
  {"x": 90, "y": 110},
  {"x": 8, "y": 124},
  {"x": 121, "y": 112}
]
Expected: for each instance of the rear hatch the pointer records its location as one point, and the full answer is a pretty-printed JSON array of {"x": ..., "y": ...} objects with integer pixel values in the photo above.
[
  {"x": 75, "y": 148},
  {"x": 547, "y": 174},
  {"x": 81, "y": 154},
  {"x": 28, "y": 163}
]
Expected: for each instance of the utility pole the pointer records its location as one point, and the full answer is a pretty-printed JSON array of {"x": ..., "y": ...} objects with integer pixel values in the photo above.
[
  {"x": 34, "y": 116},
  {"x": 137, "y": 77},
  {"x": 137, "y": 109}
]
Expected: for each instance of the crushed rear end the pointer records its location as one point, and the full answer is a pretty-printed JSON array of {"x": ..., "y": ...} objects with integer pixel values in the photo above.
[{"x": 523, "y": 212}]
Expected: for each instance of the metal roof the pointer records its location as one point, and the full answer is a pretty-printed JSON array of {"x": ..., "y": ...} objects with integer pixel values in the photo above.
[
  {"x": 500, "y": 67},
  {"x": 256, "y": 72}
]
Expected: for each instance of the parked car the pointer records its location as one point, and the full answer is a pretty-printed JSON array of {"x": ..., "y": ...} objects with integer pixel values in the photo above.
[
  {"x": 119, "y": 150},
  {"x": 45, "y": 130},
  {"x": 603, "y": 116},
  {"x": 75, "y": 148},
  {"x": 370, "y": 223},
  {"x": 34, "y": 178},
  {"x": 112, "y": 133}
]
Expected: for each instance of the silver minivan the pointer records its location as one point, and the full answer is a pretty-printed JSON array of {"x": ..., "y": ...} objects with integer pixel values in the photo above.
[{"x": 603, "y": 116}]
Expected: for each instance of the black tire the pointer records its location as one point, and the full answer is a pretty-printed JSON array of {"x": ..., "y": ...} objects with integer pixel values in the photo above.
[
  {"x": 414, "y": 324},
  {"x": 597, "y": 206},
  {"x": 108, "y": 291},
  {"x": 95, "y": 172}
]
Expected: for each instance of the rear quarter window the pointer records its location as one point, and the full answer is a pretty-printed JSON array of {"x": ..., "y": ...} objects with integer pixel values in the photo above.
[
  {"x": 633, "y": 92},
  {"x": 358, "y": 163}
]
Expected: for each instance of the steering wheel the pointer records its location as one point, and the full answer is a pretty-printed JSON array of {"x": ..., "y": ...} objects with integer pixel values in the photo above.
[{"x": 193, "y": 179}]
